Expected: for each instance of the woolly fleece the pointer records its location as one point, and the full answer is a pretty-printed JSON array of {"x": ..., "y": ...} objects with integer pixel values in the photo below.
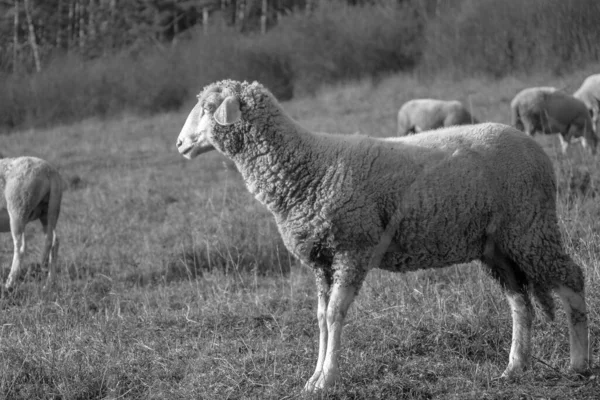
[{"x": 347, "y": 203}]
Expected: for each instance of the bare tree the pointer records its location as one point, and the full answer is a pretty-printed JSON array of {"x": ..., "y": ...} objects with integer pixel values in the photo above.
[
  {"x": 81, "y": 23},
  {"x": 91, "y": 12},
  {"x": 205, "y": 19},
  {"x": 70, "y": 25},
  {"x": 16, "y": 38},
  {"x": 59, "y": 28},
  {"x": 32, "y": 38},
  {"x": 263, "y": 17}
]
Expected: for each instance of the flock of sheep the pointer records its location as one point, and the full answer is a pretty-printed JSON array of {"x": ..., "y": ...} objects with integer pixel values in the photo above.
[
  {"x": 345, "y": 204},
  {"x": 537, "y": 109}
]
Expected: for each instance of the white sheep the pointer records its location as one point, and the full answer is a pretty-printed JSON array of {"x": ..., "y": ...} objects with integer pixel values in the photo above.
[
  {"x": 345, "y": 204},
  {"x": 549, "y": 110},
  {"x": 589, "y": 93},
  {"x": 419, "y": 115},
  {"x": 32, "y": 190}
]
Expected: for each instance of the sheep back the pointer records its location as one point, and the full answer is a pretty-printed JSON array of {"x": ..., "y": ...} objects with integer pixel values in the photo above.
[{"x": 425, "y": 114}]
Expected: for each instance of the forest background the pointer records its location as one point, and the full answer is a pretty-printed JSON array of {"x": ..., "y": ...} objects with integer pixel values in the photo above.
[{"x": 64, "y": 60}]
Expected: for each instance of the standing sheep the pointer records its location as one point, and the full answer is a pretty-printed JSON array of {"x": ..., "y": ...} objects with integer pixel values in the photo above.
[
  {"x": 32, "y": 190},
  {"x": 548, "y": 110},
  {"x": 425, "y": 114},
  {"x": 345, "y": 204},
  {"x": 589, "y": 93}
]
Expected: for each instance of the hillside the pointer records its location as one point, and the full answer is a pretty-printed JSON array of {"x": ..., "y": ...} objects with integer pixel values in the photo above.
[{"x": 174, "y": 282}]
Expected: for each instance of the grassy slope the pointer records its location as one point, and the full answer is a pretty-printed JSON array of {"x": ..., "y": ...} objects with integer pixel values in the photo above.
[{"x": 139, "y": 223}]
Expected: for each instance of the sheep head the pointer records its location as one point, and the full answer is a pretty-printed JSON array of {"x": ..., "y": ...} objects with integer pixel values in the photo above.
[{"x": 208, "y": 125}]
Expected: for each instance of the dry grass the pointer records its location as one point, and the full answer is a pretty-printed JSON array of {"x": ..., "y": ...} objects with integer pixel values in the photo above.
[{"x": 174, "y": 282}]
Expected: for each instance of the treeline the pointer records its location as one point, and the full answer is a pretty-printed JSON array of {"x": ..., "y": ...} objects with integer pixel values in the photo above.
[
  {"x": 150, "y": 59},
  {"x": 503, "y": 37},
  {"x": 34, "y": 31}
]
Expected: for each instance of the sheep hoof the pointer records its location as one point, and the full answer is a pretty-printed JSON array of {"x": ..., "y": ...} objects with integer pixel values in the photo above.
[
  {"x": 322, "y": 382},
  {"x": 512, "y": 373},
  {"x": 579, "y": 372},
  {"x": 310, "y": 386}
]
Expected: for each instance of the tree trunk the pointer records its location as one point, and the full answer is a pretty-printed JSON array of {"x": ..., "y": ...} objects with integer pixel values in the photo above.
[
  {"x": 59, "y": 25},
  {"x": 241, "y": 13},
  {"x": 224, "y": 12},
  {"x": 81, "y": 24},
  {"x": 112, "y": 25},
  {"x": 32, "y": 39},
  {"x": 205, "y": 20},
  {"x": 70, "y": 26},
  {"x": 16, "y": 39},
  {"x": 263, "y": 17},
  {"x": 91, "y": 12}
]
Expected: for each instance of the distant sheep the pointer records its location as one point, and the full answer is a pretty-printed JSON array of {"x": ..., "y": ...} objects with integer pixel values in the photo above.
[
  {"x": 345, "y": 204},
  {"x": 589, "y": 93},
  {"x": 548, "y": 110},
  {"x": 32, "y": 190},
  {"x": 425, "y": 114}
]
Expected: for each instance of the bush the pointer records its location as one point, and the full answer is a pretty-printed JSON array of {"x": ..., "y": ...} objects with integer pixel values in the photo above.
[
  {"x": 505, "y": 37},
  {"x": 335, "y": 43},
  {"x": 339, "y": 43}
]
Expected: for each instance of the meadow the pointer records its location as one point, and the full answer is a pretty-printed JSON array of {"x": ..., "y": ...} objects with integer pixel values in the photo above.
[{"x": 174, "y": 282}]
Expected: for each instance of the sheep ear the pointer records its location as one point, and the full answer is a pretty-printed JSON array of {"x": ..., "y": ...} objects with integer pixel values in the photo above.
[{"x": 229, "y": 111}]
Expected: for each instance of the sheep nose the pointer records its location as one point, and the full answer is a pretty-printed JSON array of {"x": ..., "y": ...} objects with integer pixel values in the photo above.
[{"x": 179, "y": 142}]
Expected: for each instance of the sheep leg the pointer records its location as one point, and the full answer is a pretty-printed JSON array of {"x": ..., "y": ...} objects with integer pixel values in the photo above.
[
  {"x": 48, "y": 220},
  {"x": 529, "y": 125},
  {"x": 4, "y": 221},
  {"x": 346, "y": 282},
  {"x": 520, "y": 349},
  {"x": 567, "y": 138},
  {"x": 323, "y": 286},
  {"x": 17, "y": 228},
  {"x": 339, "y": 302},
  {"x": 514, "y": 284},
  {"x": 576, "y": 310},
  {"x": 49, "y": 255},
  {"x": 563, "y": 275},
  {"x": 564, "y": 143}
]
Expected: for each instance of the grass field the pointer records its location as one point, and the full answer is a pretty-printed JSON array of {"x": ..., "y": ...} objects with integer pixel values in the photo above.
[{"x": 174, "y": 283}]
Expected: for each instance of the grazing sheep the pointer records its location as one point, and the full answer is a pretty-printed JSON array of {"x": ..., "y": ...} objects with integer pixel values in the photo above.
[
  {"x": 425, "y": 114},
  {"x": 345, "y": 204},
  {"x": 589, "y": 93},
  {"x": 32, "y": 190},
  {"x": 548, "y": 110}
]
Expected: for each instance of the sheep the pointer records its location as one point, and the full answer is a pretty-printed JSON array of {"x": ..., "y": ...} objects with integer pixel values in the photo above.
[
  {"x": 589, "y": 93},
  {"x": 32, "y": 190},
  {"x": 548, "y": 110},
  {"x": 419, "y": 115},
  {"x": 345, "y": 204}
]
